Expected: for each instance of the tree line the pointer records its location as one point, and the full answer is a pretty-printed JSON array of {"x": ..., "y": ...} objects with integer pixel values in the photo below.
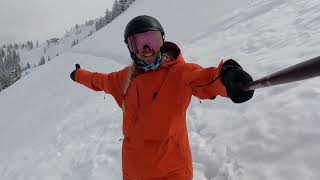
[
  {"x": 10, "y": 69},
  {"x": 118, "y": 7}
]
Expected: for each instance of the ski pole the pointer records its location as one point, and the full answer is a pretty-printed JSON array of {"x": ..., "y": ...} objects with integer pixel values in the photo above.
[{"x": 301, "y": 71}]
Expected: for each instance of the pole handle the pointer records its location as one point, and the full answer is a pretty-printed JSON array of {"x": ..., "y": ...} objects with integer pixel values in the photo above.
[{"x": 301, "y": 71}]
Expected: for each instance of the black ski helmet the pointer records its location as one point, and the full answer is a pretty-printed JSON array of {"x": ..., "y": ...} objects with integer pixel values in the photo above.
[{"x": 142, "y": 24}]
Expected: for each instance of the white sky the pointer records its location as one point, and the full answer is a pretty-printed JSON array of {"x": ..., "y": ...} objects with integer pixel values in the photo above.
[{"x": 22, "y": 20}]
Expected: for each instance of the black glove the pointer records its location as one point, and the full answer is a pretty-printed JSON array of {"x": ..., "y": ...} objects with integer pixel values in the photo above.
[
  {"x": 234, "y": 78},
  {"x": 73, "y": 73}
]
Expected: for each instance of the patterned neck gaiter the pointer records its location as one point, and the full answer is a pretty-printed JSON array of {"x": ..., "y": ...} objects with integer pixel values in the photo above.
[{"x": 147, "y": 67}]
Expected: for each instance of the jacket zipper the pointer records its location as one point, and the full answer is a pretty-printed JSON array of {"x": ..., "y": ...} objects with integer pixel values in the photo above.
[{"x": 140, "y": 173}]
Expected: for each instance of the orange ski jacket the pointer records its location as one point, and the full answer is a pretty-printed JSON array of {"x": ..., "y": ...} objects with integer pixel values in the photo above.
[{"x": 156, "y": 141}]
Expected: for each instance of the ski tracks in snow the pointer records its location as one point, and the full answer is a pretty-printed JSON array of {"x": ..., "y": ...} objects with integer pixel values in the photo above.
[
  {"x": 264, "y": 38},
  {"x": 86, "y": 146},
  {"x": 212, "y": 157},
  {"x": 91, "y": 146}
]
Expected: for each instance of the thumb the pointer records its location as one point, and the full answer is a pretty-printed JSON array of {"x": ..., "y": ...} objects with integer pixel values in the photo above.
[{"x": 77, "y": 66}]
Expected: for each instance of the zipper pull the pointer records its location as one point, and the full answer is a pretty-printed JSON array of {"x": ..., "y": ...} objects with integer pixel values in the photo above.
[{"x": 155, "y": 94}]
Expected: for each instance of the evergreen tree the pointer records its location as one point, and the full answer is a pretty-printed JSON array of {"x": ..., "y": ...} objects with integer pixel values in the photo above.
[
  {"x": 10, "y": 69},
  {"x": 1, "y": 65},
  {"x": 116, "y": 9},
  {"x": 100, "y": 23},
  {"x": 4, "y": 80},
  {"x": 90, "y": 22},
  {"x": 128, "y": 3},
  {"x": 122, "y": 5},
  {"x": 90, "y": 33},
  {"x": 108, "y": 16},
  {"x": 28, "y": 66},
  {"x": 29, "y": 45},
  {"x": 42, "y": 61},
  {"x": 74, "y": 42},
  {"x": 97, "y": 25},
  {"x": 2, "y": 53}
]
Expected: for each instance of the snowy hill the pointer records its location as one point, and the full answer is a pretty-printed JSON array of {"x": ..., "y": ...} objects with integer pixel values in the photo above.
[
  {"x": 56, "y": 46},
  {"x": 54, "y": 129}
]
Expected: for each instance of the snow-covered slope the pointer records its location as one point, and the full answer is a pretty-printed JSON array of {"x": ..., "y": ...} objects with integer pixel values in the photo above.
[
  {"x": 182, "y": 20},
  {"x": 52, "y": 128},
  {"x": 54, "y": 49}
]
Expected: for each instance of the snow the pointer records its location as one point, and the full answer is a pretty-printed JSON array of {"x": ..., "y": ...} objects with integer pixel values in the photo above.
[
  {"x": 53, "y": 50},
  {"x": 54, "y": 129},
  {"x": 176, "y": 17}
]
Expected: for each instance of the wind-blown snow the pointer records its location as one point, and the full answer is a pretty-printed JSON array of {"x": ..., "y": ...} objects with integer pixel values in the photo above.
[{"x": 54, "y": 129}]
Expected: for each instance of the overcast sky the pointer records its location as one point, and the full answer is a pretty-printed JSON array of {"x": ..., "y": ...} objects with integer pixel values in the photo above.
[{"x": 22, "y": 20}]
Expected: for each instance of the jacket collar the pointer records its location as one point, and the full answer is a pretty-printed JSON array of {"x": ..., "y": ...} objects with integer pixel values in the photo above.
[
  {"x": 173, "y": 56},
  {"x": 173, "y": 53}
]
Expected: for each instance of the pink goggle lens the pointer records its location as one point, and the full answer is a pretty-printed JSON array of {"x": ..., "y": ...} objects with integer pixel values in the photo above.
[{"x": 152, "y": 39}]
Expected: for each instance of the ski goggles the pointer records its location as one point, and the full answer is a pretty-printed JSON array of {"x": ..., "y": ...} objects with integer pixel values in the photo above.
[{"x": 152, "y": 39}]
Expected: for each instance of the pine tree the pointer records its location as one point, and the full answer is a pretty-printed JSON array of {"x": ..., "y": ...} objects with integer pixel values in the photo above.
[
  {"x": 100, "y": 23},
  {"x": 10, "y": 69},
  {"x": 42, "y": 61},
  {"x": 108, "y": 16},
  {"x": 90, "y": 33},
  {"x": 29, "y": 45},
  {"x": 128, "y": 3},
  {"x": 116, "y": 9},
  {"x": 90, "y": 22},
  {"x": 122, "y": 5},
  {"x": 28, "y": 66},
  {"x": 4, "y": 80},
  {"x": 2, "y": 53}
]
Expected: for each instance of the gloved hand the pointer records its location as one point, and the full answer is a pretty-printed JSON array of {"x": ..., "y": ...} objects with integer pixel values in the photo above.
[
  {"x": 73, "y": 73},
  {"x": 234, "y": 78}
]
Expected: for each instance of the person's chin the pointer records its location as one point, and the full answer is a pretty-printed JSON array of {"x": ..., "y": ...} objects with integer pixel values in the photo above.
[{"x": 149, "y": 60}]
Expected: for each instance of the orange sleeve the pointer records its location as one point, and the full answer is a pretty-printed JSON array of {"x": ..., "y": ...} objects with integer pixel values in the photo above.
[
  {"x": 205, "y": 82},
  {"x": 111, "y": 83}
]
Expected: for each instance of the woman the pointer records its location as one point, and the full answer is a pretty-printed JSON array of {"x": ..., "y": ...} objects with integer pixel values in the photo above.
[{"x": 154, "y": 94}]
